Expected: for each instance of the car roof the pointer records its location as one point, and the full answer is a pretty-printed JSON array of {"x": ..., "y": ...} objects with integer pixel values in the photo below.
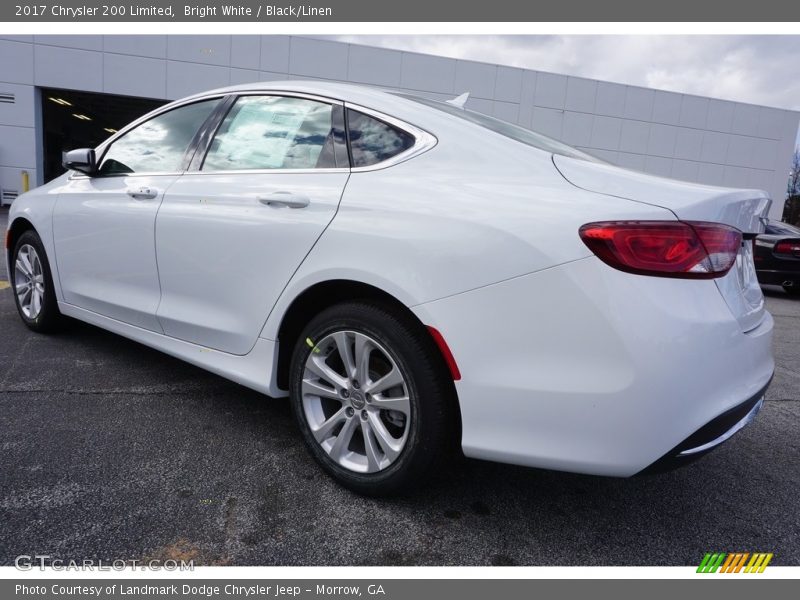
[{"x": 372, "y": 97}]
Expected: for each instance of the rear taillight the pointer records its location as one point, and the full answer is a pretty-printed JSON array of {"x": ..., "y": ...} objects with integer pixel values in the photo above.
[
  {"x": 687, "y": 249},
  {"x": 788, "y": 247}
]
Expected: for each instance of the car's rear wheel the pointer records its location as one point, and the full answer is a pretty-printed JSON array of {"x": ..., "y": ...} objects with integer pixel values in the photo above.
[
  {"x": 32, "y": 284},
  {"x": 371, "y": 398}
]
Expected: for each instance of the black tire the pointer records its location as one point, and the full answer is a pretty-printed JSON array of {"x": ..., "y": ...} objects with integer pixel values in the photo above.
[
  {"x": 48, "y": 317},
  {"x": 433, "y": 424},
  {"x": 793, "y": 290}
]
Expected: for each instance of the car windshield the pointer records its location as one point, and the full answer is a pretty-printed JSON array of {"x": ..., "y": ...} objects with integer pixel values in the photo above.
[
  {"x": 778, "y": 228},
  {"x": 509, "y": 130}
]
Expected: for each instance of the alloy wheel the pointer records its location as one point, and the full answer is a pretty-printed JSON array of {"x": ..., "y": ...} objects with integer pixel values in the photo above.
[
  {"x": 356, "y": 401},
  {"x": 29, "y": 281}
]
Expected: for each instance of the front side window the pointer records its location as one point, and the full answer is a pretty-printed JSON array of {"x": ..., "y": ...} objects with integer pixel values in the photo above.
[
  {"x": 372, "y": 141},
  {"x": 276, "y": 132},
  {"x": 159, "y": 144}
]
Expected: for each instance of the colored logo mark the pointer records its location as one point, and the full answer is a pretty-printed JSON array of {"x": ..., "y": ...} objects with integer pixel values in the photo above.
[{"x": 734, "y": 562}]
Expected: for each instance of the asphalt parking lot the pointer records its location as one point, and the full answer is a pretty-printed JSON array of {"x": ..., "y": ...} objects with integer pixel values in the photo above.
[{"x": 111, "y": 450}]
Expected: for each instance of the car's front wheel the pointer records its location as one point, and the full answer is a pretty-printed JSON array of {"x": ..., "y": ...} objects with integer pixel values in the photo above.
[
  {"x": 372, "y": 400},
  {"x": 32, "y": 284}
]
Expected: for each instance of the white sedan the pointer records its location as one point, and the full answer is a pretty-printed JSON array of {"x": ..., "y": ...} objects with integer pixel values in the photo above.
[{"x": 419, "y": 279}]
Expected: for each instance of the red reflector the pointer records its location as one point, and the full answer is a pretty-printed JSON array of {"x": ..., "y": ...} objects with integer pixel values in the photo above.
[
  {"x": 446, "y": 354},
  {"x": 686, "y": 249},
  {"x": 788, "y": 247},
  {"x": 7, "y": 240}
]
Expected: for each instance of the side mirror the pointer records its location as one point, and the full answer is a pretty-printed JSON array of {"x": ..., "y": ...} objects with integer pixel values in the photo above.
[{"x": 82, "y": 159}]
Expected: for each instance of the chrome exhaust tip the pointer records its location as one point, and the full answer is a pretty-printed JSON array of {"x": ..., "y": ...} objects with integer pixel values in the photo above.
[{"x": 788, "y": 283}]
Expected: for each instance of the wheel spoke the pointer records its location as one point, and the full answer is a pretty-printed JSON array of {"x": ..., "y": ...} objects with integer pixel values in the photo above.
[
  {"x": 363, "y": 351},
  {"x": 313, "y": 388},
  {"x": 22, "y": 267},
  {"x": 345, "y": 351},
  {"x": 36, "y": 302},
  {"x": 323, "y": 432},
  {"x": 388, "y": 381},
  {"x": 317, "y": 366},
  {"x": 25, "y": 298},
  {"x": 400, "y": 404},
  {"x": 22, "y": 286},
  {"x": 370, "y": 447},
  {"x": 343, "y": 439},
  {"x": 390, "y": 446},
  {"x": 26, "y": 261}
]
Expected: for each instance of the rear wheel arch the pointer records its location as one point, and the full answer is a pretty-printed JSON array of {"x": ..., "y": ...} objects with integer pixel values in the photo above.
[
  {"x": 325, "y": 294},
  {"x": 314, "y": 300}
]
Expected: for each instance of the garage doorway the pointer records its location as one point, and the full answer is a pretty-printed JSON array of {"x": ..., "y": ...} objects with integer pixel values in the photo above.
[{"x": 73, "y": 119}]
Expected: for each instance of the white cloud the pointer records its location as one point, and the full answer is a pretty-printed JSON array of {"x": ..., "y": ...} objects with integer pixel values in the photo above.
[{"x": 756, "y": 69}]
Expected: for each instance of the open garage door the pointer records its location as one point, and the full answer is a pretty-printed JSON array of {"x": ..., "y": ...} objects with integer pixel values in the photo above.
[{"x": 72, "y": 119}]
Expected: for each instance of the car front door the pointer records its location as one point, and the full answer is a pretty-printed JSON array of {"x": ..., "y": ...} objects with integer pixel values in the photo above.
[
  {"x": 104, "y": 225},
  {"x": 232, "y": 231}
]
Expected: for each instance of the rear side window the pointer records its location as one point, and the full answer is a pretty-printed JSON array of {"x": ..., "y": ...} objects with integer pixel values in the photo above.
[
  {"x": 158, "y": 144},
  {"x": 275, "y": 132},
  {"x": 373, "y": 141}
]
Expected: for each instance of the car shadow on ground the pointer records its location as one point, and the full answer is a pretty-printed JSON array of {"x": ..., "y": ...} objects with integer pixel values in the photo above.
[
  {"x": 195, "y": 465},
  {"x": 776, "y": 291}
]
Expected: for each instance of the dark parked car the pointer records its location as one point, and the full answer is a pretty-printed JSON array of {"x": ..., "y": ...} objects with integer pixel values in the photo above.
[{"x": 777, "y": 256}]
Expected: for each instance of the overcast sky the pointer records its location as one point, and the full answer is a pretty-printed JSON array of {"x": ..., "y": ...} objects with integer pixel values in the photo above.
[{"x": 758, "y": 69}]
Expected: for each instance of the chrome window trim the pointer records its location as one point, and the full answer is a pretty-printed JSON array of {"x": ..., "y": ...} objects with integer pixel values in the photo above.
[
  {"x": 423, "y": 141},
  {"x": 76, "y": 176},
  {"x": 316, "y": 98},
  {"x": 303, "y": 171}
]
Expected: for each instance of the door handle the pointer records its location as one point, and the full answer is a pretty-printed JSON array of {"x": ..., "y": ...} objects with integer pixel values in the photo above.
[
  {"x": 285, "y": 199},
  {"x": 142, "y": 193}
]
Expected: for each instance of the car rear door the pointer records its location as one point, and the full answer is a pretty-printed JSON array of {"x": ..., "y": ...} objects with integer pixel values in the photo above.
[
  {"x": 104, "y": 225},
  {"x": 232, "y": 231}
]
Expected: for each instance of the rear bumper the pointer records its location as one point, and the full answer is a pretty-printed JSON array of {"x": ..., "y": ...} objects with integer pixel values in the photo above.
[
  {"x": 713, "y": 434},
  {"x": 587, "y": 369}
]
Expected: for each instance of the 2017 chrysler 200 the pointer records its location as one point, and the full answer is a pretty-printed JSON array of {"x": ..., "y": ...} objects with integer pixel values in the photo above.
[{"x": 415, "y": 276}]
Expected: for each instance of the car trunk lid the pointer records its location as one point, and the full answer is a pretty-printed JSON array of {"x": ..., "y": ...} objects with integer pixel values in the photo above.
[{"x": 743, "y": 209}]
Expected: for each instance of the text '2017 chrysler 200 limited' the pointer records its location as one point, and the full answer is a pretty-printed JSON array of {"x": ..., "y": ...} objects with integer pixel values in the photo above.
[{"x": 417, "y": 277}]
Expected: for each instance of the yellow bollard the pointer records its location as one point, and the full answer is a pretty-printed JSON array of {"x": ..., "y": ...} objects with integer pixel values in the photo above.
[{"x": 26, "y": 182}]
